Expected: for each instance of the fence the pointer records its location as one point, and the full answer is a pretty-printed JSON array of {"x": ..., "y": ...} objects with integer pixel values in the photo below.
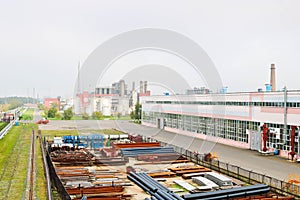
[
  {"x": 5, "y": 130},
  {"x": 240, "y": 173},
  {"x": 46, "y": 168},
  {"x": 56, "y": 181}
]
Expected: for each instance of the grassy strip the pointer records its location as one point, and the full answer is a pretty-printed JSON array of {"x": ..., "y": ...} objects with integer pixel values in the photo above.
[
  {"x": 3, "y": 125},
  {"x": 7, "y": 144},
  {"x": 59, "y": 133},
  {"x": 18, "y": 183},
  {"x": 40, "y": 182},
  {"x": 110, "y": 131},
  {"x": 79, "y": 117},
  {"x": 28, "y": 115}
]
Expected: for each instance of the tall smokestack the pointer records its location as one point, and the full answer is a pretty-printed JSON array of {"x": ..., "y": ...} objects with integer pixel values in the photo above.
[
  {"x": 122, "y": 88},
  {"x": 145, "y": 87},
  {"x": 133, "y": 86},
  {"x": 141, "y": 87},
  {"x": 273, "y": 78}
]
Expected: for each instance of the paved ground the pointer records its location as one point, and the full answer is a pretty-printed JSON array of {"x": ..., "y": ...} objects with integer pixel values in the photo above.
[
  {"x": 270, "y": 165},
  {"x": 36, "y": 115}
]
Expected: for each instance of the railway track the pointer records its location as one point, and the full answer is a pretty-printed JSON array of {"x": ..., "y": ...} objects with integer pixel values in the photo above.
[{"x": 32, "y": 168}]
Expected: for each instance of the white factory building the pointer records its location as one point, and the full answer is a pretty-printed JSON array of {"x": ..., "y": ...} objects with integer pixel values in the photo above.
[
  {"x": 112, "y": 100},
  {"x": 233, "y": 118}
]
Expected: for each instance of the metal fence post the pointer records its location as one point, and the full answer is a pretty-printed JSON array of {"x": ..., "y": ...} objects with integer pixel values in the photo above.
[
  {"x": 186, "y": 153},
  {"x": 249, "y": 180},
  {"x": 227, "y": 168}
]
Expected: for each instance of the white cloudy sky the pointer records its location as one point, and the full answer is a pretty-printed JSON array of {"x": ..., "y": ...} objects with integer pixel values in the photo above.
[{"x": 41, "y": 42}]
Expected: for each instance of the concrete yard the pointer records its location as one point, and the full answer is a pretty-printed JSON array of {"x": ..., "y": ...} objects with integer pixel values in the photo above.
[{"x": 273, "y": 166}]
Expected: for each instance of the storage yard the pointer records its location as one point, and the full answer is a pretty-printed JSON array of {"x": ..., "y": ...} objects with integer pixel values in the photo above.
[{"x": 128, "y": 167}]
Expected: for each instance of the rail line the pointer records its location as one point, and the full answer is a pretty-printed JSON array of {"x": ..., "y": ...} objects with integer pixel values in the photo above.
[{"x": 32, "y": 168}]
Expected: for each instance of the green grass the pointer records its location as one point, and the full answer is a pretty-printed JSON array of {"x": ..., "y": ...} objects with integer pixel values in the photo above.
[
  {"x": 40, "y": 184},
  {"x": 49, "y": 118},
  {"x": 28, "y": 115},
  {"x": 79, "y": 117},
  {"x": 9, "y": 153},
  {"x": 76, "y": 117},
  {"x": 110, "y": 131},
  {"x": 3, "y": 125},
  {"x": 58, "y": 133},
  {"x": 7, "y": 144},
  {"x": 22, "y": 109}
]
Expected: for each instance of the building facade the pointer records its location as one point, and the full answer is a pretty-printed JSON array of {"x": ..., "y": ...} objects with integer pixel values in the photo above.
[
  {"x": 234, "y": 119},
  {"x": 50, "y": 101}
]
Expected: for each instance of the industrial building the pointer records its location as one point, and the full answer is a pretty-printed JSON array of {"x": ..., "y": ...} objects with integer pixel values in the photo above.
[
  {"x": 112, "y": 100},
  {"x": 50, "y": 101},
  {"x": 265, "y": 121},
  {"x": 233, "y": 118}
]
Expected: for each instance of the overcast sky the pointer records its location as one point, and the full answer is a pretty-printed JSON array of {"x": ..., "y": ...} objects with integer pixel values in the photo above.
[{"x": 42, "y": 42}]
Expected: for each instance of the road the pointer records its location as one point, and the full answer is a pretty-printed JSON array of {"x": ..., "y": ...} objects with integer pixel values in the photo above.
[
  {"x": 273, "y": 166},
  {"x": 36, "y": 115}
]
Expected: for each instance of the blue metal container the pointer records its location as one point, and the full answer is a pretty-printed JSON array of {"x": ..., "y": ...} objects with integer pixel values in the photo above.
[{"x": 268, "y": 88}]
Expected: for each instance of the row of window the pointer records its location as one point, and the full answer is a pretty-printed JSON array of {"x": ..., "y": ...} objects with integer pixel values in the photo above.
[
  {"x": 230, "y": 103},
  {"x": 223, "y": 128}
]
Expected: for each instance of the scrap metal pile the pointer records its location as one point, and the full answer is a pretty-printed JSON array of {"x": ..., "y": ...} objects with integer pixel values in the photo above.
[
  {"x": 100, "y": 173},
  {"x": 94, "y": 182},
  {"x": 79, "y": 157}
]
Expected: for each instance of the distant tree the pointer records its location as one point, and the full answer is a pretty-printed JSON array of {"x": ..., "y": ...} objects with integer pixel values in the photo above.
[
  {"x": 97, "y": 115},
  {"x": 85, "y": 116},
  {"x": 54, "y": 105},
  {"x": 138, "y": 112},
  {"x": 4, "y": 107},
  {"x": 41, "y": 106},
  {"x": 52, "y": 112},
  {"x": 132, "y": 114},
  {"x": 14, "y": 103},
  {"x": 68, "y": 114},
  {"x": 46, "y": 110},
  {"x": 118, "y": 114},
  {"x": 58, "y": 115}
]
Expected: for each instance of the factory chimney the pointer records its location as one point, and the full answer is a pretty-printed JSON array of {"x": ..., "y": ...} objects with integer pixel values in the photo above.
[
  {"x": 141, "y": 87},
  {"x": 122, "y": 88},
  {"x": 145, "y": 87},
  {"x": 133, "y": 86},
  {"x": 273, "y": 78}
]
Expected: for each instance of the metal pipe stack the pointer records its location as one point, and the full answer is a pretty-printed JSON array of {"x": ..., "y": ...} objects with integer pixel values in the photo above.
[
  {"x": 155, "y": 189},
  {"x": 230, "y": 193}
]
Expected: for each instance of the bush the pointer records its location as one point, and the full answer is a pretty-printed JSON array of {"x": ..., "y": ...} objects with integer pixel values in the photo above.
[
  {"x": 52, "y": 112},
  {"x": 85, "y": 116},
  {"x": 68, "y": 114},
  {"x": 97, "y": 115},
  {"x": 58, "y": 116}
]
